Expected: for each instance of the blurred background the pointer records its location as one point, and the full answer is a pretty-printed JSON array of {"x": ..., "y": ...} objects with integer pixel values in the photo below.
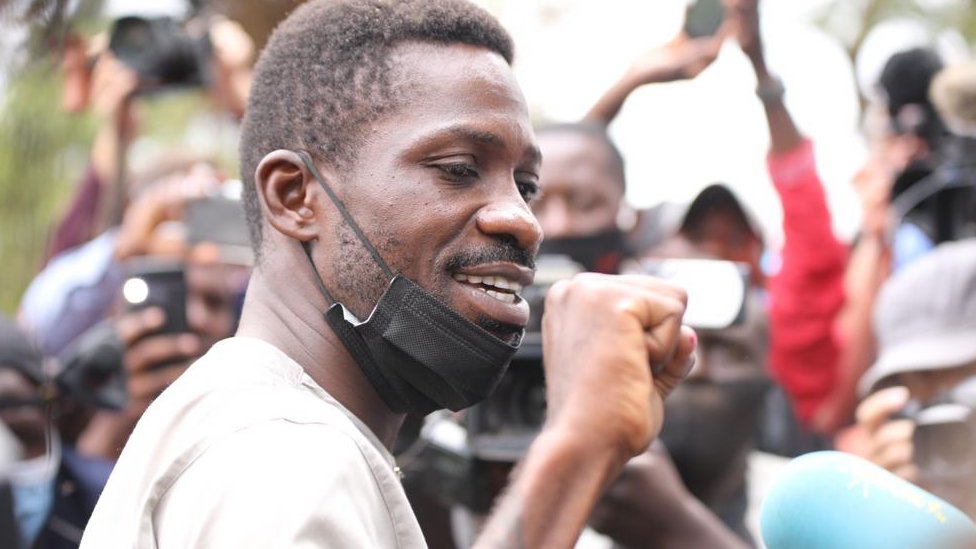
[{"x": 827, "y": 52}]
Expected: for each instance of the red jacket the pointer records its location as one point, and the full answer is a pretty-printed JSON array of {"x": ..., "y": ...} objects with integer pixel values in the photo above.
[{"x": 808, "y": 291}]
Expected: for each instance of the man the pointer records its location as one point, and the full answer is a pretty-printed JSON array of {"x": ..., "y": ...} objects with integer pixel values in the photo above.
[
  {"x": 53, "y": 488},
  {"x": 388, "y": 141},
  {"x": 583, "y": 178},
  {"x": 925, "y": 322}
]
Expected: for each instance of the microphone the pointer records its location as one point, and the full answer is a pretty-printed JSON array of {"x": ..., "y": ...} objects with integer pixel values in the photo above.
[{"x": 834, "y": 500}]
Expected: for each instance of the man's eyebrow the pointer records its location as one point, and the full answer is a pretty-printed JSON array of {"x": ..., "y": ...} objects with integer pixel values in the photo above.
[{"x": 532, "y": 152}]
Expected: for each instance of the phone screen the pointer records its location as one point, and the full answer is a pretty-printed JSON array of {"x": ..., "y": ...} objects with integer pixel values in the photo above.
[
  {"x": 158, "y": 284},
  {"x": 703, "y": 17}
]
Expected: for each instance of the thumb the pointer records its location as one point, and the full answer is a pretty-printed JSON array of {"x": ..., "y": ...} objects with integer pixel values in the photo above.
[{"x": 878, "y": 407}]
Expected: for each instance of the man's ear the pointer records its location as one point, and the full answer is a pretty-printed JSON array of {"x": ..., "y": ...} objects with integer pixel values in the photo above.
[{"x": 288, "y": 191}]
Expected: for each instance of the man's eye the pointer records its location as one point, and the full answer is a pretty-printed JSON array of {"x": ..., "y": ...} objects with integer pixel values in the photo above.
[
  {"x": 528, "y": 189},
  {"x": 458, "y": 172}
]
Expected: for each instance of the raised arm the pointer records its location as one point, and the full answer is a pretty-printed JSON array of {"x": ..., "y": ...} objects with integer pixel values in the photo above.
[
  {"x": 807, "y": 293},
  {"x": 603, "y": 335},
  {"x": 744, "y": 20},
  {"x": 680, "y": 59}
]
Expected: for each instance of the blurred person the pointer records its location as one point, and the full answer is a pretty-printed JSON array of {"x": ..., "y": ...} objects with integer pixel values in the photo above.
[
  {"x": 362, "y": 116},
  {"x": 213, "y": 265},
  {"x": 53, "y": 487},
  {"x": 916, "y": 201},
  {"x": 583, "y": 187},
  {"x": 79, "y": 287},
  {"x": 917, "y": 416},
  {"x": 649, "y": 506},
  {"x": 802, "y": 299},
  {"x": 806, "y": 294},
  {"x": 97, "y": 80},
  {"x": 583, "y": 190},
  {"x": 76, "y": 310}
]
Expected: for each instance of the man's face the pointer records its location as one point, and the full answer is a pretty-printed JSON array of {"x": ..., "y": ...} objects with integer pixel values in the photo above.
[
  {"x": 925, "y": 385},
  {"x": 582, "y": 187},
  {"x": 26, "y": 421},
  {"x": 212, "y": 293},
  {"x": 441, "y": 188}
]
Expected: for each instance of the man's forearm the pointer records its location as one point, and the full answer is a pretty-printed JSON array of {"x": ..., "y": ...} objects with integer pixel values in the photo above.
[
  {"x": 608, "y": 106},
  {"x": 552, "y": 493}
]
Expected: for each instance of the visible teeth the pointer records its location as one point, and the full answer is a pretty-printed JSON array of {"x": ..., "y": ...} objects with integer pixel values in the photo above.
[
  {"x": 494, "y": 281},
  {"x": 501, "y": 296}
]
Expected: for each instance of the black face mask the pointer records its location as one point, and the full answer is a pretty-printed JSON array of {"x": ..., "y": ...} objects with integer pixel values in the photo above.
[
  {"x": 418, "y": 353},
  {"x": 599, "y": 253}
]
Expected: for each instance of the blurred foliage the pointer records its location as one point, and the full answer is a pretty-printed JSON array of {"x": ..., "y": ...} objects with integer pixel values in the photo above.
[
  {"x": 42, "y": 153},
  {"x": 851, "y": 20}
]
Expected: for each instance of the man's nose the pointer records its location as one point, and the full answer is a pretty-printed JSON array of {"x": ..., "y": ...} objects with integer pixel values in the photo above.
[{"x": 511, "y": 218}]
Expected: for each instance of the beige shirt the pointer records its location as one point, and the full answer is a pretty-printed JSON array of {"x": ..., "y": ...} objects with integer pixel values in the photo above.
[{"x": 245, "y": 450}]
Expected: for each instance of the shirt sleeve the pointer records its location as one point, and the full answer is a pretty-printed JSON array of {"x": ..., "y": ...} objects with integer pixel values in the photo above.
[
  {"x": 277, "y": 484},
  {"x": 808, "y": 291}
]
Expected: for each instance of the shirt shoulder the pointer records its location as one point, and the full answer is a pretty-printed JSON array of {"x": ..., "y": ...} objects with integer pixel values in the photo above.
[
  {"x": 281, "y": 483},
  {"x": 243, "y": 432}
]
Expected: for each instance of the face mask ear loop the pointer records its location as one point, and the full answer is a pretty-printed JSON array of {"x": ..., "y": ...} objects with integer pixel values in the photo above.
[
  {"x": 345, "y": 214},
  {"x": 307, "y": 248}
]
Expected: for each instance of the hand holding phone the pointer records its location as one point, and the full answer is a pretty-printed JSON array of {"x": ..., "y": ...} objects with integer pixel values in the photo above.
[{"x": 162, "y": 284}]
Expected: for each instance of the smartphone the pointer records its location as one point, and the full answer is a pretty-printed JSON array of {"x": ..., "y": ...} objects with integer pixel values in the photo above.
[
  {"x": 155, "y": 283},
  {"x": 703, "y": 17},
  {"x": 716, "y": 289},
  {"x": 217, "y": 219}
]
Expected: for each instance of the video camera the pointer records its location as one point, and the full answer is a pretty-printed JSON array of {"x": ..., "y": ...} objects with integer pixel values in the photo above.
[
  {"x": 455, "y": 456},
  {"x": 164, "y": 52}
]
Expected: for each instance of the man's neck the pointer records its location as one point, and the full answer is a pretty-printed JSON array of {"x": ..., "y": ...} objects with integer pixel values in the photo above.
[{"x": 290, "y": 317}]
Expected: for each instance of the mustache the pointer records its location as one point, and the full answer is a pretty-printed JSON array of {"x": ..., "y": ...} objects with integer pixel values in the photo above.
[{"x": 505, "y": 252}]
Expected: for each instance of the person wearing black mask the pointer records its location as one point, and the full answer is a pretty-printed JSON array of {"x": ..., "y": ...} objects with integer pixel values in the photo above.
[{"x": 584, "y": 185}]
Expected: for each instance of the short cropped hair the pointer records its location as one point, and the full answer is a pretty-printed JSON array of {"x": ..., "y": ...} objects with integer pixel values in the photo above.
[
  {"x": 595, "y": 132},
  {"x": 327, "y": 73}
]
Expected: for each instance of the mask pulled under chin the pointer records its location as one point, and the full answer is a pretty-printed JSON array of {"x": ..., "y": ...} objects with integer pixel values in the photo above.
[{"x": 419, "y": 354}]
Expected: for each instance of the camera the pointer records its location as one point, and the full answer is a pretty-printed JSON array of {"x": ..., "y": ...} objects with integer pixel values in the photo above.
[
  {"x": 162, "y": 51},
  {"x": 945, "y": 434}
]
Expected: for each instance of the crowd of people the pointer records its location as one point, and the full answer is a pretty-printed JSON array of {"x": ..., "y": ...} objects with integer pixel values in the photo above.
[{"x": 206, "y": 361}]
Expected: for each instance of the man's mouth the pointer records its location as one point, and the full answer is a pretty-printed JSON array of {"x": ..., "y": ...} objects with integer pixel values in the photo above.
[{"x": 498, "y": 287}]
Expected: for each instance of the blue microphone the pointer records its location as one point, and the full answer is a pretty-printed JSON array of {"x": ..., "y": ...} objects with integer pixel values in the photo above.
[{"x": 833, "y": 500}]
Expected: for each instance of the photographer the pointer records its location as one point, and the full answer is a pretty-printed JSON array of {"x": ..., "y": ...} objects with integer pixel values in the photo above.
[
  {"x": 918, "y": 419},
  {"x": 181, "y": 227},
  {"x": 201, "y": 275},
  {"x": 53, "y": 487},
  {"x": 112, "y": 74}
]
